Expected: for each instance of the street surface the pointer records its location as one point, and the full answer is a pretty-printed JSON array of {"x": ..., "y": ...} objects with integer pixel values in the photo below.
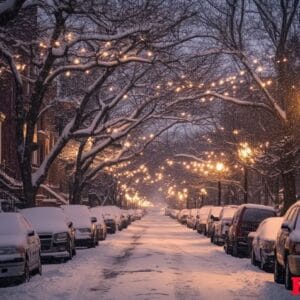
[{"x": 155, "y": 258}]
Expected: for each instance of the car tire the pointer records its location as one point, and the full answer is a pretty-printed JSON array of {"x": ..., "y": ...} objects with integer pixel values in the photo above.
[
  {"x": 70, "y": 250},
  {"x": 227, "y": 249},
  {"x": 278, "y": 272},
  {"x": 254, "y": 261},
  {"x": 26, "y": 275},
  {"x": 287, "y": 276},
  {"x": 39, "y": 269},
  {"x": 212, "y": 237},
  {"x": 74, "y": 251},
  {"x": 235, "y": 250},
  {"x": 262, "y": 265}
]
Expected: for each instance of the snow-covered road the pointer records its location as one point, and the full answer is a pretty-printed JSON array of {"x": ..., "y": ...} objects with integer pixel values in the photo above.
[{"x": 155, "y": 258}]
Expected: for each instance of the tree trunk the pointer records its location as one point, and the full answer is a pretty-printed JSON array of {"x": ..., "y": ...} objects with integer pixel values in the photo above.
[
  {"x": 289, "y": 189},
  {"x": 76, "y": 190}
]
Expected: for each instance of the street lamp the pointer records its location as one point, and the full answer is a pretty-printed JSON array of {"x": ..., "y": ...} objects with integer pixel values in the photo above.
[
  {"x": 220, "y": 167},
  {"x": 246, "y": 155}
]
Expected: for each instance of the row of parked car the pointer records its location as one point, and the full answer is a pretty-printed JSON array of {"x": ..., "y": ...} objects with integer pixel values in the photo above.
[
  {"x": 34, "y": 235},
  {"x": 251, "y": 230}
]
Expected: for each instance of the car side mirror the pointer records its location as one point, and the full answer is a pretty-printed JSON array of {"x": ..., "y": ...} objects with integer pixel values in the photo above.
[
  {"x": 30, "y": 233},
  {"x": 93, "y": 219},
  {"x": 70, "y": 224},
  {"x": 286, "y": 226}
]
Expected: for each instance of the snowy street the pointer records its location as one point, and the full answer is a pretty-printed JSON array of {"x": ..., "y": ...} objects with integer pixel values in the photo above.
[{"x": 155, "y": 258}]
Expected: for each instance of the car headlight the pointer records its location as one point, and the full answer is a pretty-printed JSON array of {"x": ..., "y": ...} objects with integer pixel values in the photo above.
[{"x": 61, "y": 237}]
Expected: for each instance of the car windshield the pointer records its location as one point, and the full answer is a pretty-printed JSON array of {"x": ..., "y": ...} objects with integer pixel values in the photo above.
[
  {"x": 10, "y": 224},
  {"x": 257, "y": 215}
]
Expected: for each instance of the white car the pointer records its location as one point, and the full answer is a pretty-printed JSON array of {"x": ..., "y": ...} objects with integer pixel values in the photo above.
[
  {"x": 221, "y": 226},
  {"x": 84, "y": 224},
  {"x": 263, "y": 243},
  {"x": 20, "y": 249},
  {"x": 55, "y": 231}
]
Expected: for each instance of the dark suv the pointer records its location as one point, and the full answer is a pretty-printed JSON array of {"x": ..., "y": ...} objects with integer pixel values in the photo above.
[
  {"x": 287, "y": 247},
  {"x": 246, "y": 219}
]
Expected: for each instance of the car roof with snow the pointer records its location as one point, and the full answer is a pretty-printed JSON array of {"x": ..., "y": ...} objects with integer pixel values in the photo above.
[
  {"x": 268, "y": 228},
  {"x": 257, "y": 206}
]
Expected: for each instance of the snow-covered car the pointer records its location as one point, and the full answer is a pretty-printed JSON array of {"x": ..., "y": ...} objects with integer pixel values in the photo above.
[
  {"x": 125, "y": 219},
  {"x": 84, "y": 224},
  {"x": 174, "y": 213},
  {"x": 263, "y": 243},
  {"x": 213, "y": 216},
  {"x": 100, "y": 224},
  {"x": 20, "y": 249},
  {"x": 55, "y": 231},
  {"x": 112, "y": 217},
  {"x": 221, "y": 227},
  {"x": 203, "y": 214},
  {"x": 287, "y": 247},
  {"x": 246, "y": 219},
  {"x": 191, "y": 221},
  {"x": 182, "y": 216}
]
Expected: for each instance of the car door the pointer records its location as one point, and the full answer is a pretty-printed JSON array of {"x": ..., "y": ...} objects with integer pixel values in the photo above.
[{"x": 283, "y": 234}]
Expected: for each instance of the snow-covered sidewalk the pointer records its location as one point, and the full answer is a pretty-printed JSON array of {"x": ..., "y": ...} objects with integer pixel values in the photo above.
[{"x": 155, "y": 258}]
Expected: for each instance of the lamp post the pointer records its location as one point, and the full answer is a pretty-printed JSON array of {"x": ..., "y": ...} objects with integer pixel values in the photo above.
[
  {"x": 219, "y": 168},
  {"x": 246, "y": 155}
]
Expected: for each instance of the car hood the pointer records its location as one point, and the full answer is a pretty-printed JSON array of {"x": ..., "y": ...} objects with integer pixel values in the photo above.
[
  {"x": 50, "y": 227},
  {"x": 12, "y": 240}
]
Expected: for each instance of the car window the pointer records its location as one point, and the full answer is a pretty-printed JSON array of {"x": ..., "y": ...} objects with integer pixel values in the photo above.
[{"x": 256, "y": 215}]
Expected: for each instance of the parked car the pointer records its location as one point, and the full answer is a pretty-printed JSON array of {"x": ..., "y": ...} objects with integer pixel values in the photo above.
[
  {"x": 20, "y": 248},
  {"x": 55, "y": 231},
  {"x": 212, "y": 217},
  {"x": 191, "y": 220},
  {"x": 174, "y": 213},
  {"x": 100, "y": 224},
  {"x": 263, "y": 243},
  {"x": 222, "y": 225},
  {"x": 84, "y": 224},
  {"x": 182, "y": 216},
  {"x": 287, "y": 247},
  {"x": 203, "y": 214},
  {"x": 246, "y": 219},
  {"x": 112, "y": 217}
]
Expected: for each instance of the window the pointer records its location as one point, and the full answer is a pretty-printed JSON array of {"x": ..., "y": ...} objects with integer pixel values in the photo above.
[
  {"x": 2, "y": 118},
  {"x": 257, "y": 215}
]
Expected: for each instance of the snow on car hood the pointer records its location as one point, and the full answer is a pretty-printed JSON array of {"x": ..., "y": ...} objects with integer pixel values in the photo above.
[
  {"x": 46, "y": 219},
  {"x": 12, "y": 240},
  {"x": 79, "y": 215}
]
